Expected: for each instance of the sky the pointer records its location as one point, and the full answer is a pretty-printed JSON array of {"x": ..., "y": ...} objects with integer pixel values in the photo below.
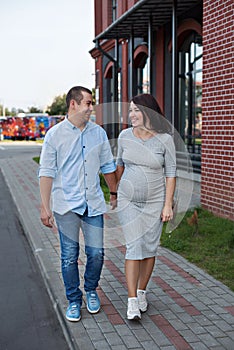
[{"x": 45, "y": 48}]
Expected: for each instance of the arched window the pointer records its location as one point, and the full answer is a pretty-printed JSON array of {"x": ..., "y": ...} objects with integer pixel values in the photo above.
[
  {"x": 141, "y": 64},
  {"x": 190, "y": 92}
]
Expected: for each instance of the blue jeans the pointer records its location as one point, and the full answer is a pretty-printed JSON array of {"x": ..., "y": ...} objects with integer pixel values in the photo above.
[{"x": 69, "y": 226}]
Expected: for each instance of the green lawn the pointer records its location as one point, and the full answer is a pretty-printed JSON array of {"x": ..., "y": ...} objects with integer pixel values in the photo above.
[{"x": 208, "y": 243}]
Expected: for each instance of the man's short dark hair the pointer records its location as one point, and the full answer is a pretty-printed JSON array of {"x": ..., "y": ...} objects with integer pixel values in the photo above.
[{"x": 75, "y": 93}]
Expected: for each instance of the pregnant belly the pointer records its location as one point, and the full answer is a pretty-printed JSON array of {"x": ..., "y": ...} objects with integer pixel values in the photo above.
[{"x": 142, "y": 186}]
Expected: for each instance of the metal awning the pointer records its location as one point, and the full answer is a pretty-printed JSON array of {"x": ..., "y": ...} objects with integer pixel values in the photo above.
[{"x": 136, "y": 19}]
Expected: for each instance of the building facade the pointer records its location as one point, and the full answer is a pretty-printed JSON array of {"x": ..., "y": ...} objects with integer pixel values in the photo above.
[{"x": 182, "y": 52}]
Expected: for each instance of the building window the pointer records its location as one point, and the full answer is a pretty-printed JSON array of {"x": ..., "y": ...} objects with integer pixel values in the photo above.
[
  {"x": 143, "y": 78},
  {"x": 141, "y": 63},
  {"x": 190, "y": 95}
]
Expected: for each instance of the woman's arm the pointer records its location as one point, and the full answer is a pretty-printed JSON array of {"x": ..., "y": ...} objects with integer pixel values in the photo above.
[{"x": 167, "y": 212}]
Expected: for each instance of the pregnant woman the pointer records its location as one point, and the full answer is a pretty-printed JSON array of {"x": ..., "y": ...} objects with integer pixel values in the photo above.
[{"x": 146, "y": 171}]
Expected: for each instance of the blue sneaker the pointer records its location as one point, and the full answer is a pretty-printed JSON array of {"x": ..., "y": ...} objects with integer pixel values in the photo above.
[
  {"x": 73, "y": 312},
  {"x": 93, "y": 302}
]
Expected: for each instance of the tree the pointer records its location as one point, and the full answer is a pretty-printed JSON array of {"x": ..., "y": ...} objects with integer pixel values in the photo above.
[
  {"x": 34, "y": 110},
  {"x": 5, "y": 111},
  {"x": 58, "y": 106}
]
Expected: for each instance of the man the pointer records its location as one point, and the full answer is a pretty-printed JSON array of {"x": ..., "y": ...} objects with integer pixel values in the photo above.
[{"x": 73, "y": 153}]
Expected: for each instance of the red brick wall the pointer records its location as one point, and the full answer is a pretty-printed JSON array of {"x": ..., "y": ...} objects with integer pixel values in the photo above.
[
  {"x": 122, "y": 7},
  {"x": 131, "y": 3},
  {"x": 98, "y": 16},
  {"x": 217, "y": 182},
  {"x": 106, "y": 13}
]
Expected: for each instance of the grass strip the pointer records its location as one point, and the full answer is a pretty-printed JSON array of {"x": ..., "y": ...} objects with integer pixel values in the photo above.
[{"x": 207, "y": 241}]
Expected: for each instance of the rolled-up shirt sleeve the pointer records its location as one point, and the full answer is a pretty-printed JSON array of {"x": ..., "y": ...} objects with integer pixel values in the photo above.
[
  {"x": 48, "y": 162},
  {"x": 170, "y": 158}
]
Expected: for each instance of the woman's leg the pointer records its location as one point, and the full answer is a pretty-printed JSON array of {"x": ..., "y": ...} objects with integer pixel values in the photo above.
[
  {"x": 132, "y": 270},
  {"x": 145, "y": 271}
]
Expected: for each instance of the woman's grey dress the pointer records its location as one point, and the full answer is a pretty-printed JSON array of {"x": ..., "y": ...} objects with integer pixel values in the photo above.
[{"x": 141, "y": 192}]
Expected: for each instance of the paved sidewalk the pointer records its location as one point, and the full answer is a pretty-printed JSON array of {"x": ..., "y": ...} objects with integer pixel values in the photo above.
[{"x": 188, "y": 309}]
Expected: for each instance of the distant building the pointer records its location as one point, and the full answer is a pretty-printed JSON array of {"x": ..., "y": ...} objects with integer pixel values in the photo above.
[{"x": 182, "y": 52}]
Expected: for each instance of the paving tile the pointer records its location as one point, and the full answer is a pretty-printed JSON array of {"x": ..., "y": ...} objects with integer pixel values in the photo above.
[
  {"x": 101, "y": 345},
  {"x": 105, "y": 326},
  {"x": 131, "y": 342},
  {"x": 141, "y": 335},
  {"x": 119, "y": 347},
  {"x": 178, "y": 325},
  {"x": 123, "y": 331},
  {"x": 208, "y": 340},
  {"x": 199, "y": 346},
  {"x": 226, "y": 343},
  {"x": 228, "y": 318},
  {"x": 215, "y": 331},
  {"x": 189, "y": 336},
  {"x": 196, "y": 328},
  {"x": 224, "y": 326},
  {"x": 95, "y": 334},
  {"x": 230, "y": 334},
  {"x": 188, "y": 309},
  {"x": 150, "y": 345},
  {"x": 113, "y": 339}
]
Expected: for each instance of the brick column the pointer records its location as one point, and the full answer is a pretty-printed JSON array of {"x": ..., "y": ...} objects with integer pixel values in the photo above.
[{"x": 217, "y": 182}]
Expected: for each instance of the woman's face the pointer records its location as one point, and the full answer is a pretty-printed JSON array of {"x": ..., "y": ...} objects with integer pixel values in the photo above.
[{"x": 136, "y": 116}]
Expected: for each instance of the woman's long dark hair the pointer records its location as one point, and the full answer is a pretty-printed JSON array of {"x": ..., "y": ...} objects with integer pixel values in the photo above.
[{"x": 151, "y": 110}]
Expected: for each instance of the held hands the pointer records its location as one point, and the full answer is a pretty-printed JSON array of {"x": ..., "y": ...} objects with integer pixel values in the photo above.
[
  {"x": 113, "y": 201},
  {"x": 167, "y": 213}
]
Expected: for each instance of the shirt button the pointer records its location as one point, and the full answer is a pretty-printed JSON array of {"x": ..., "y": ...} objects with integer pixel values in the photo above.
[
  {"x": 87, "y": 188},
  {"x": 83, "y": 146},
  {"x": 85, "y": 174}
]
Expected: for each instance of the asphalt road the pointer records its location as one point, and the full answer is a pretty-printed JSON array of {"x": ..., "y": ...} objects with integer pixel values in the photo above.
[
  {"x": 27, "y": 319},
  {"x": 19, "y": 148}
]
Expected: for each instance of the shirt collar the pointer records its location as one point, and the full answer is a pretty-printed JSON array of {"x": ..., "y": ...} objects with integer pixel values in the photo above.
[{"x": 67, "y": 121}]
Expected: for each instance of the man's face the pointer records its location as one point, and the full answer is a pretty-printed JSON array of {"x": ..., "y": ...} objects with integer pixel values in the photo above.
[{"x": 85, "y": 108}]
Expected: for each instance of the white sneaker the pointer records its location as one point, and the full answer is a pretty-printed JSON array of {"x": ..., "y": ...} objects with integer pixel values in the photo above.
[
  {"x": 133, "y": 312},
  {"x": 142, "y": 302}
]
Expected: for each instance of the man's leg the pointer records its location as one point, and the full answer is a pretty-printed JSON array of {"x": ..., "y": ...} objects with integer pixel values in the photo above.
[
  {"x": 93, "y": 234},
  {"x": 68, "y": 227},
  {"x": 92, "y": 228}
]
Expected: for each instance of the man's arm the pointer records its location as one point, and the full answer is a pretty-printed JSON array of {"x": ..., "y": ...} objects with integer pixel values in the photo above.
[
  {"x": 119, "y": 172},
  {"x": 45, "y": 192}
]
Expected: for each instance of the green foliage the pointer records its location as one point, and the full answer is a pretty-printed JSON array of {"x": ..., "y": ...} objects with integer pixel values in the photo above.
[
  {"x": 93, "y": 96},
  {"x": 212, "y": 248},
  {"x": 34, "y": 110},
  {"x": 58, "y": 106},
  {"x": 104, "y": 188},
  {"x": 5, "y": 111}
]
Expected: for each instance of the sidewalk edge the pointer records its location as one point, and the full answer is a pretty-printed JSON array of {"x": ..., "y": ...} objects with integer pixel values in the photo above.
[{"x": 72, "y": 344}]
